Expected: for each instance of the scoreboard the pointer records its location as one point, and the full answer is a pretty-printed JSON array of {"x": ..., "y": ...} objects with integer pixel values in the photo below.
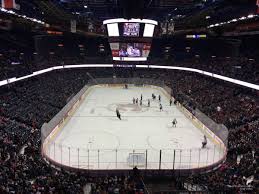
[{"x": 130, "y": 40}]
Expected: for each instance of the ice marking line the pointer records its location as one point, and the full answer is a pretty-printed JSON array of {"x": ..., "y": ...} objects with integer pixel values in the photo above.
[
  {"x": 91, "y": 141},
  {"x": 192, "y": 121},
  {"x": 127, "y": 116},
  {"x": 66, "y": 120}
]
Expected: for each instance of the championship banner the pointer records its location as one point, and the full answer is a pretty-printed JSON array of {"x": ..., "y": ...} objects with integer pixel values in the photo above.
[
  {"x": 73, "y": 26},
  {"x": 10, "y": 4},
  {"x": 5, "y": 24}
]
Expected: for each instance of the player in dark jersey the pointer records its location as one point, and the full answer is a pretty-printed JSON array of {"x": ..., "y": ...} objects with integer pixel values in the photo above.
[
  {"x": 204, "y": 143},
  {"x": 174, "y": 122},
  {"x": 161, "y": 107},
  {"x": 118, "y": 113}
]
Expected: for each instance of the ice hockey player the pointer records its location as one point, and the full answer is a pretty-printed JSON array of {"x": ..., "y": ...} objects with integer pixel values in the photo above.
[
  {"x": 118, "y": 113},
  {"x": 153, "y": 96},
  {"x": 204, "y": 143},
  {"x": 174, "y": 122},
  {"x": 148, "y": 103},
  {"x": 159, "y": 98},
  {"x": 140, "y": 102},
  {"x": 171, "y": 101},
  {"x": 126, "y": 86},
  {"x": 134, "y": 100},
  {"x": 141, "y": 97},
  {"x": 161, "y": 107}
]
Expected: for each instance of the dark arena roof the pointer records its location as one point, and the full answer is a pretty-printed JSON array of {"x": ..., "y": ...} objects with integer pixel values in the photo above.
[{"x": 72, "y": 77}]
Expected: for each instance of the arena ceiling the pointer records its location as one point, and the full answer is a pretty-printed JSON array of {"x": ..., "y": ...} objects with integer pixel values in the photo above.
[
  {"x": 155, "y": 9},
  {"x": 184, "y": 13},
  {"x": 104, "y": 9}
]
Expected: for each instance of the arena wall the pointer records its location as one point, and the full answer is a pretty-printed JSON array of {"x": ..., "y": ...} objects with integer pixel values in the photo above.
[
  {"x": 205, "y": 130},
  {"x": 59, "y": 121}
]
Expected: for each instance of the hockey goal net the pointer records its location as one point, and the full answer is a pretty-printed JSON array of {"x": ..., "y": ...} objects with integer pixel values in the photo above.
[{"x": 136, "y": 159}]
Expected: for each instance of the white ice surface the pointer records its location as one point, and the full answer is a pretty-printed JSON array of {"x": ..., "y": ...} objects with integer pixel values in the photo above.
[{"x": 95, "y": 138}]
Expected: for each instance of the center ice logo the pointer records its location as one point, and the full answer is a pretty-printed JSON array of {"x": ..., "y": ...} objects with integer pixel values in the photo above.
[{"x": 127, "y": 108}]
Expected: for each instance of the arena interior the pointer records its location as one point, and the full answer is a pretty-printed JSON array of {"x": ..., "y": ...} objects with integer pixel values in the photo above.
[{"x": 129, "y": 96}]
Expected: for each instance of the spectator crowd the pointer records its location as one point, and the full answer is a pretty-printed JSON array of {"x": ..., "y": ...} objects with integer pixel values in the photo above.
[
  {"x": 235, "y": 107},
  {"x": 26, "y": 105}
]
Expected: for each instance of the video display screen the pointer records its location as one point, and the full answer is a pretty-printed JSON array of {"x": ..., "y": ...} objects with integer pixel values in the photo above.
[
  {"x": 131, "y": 29},
  {"x": 130, "y": 49}
]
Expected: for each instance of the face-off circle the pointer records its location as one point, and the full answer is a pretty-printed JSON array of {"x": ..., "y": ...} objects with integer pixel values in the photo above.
[{"x": 127, "y": 108}]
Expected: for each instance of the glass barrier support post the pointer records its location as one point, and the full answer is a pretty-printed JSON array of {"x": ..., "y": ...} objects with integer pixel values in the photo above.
[
  {"x": 174, "y": 160},
  {"x": 214, "y": 153},
  {"x": 54, "y": 151},
  {"x": 88, "y": 158},
  {"x": 116, "y": 158},
  {"x": 146, "y": 160},
  {"x": 98, "y": 158},
  {"x": 199, "y": 157},
  {"x": 180, "y": 160},
  {"x": 61, "y": 154},
  {"x": 207, "y": 157},
  {"x": 190, "y": 159},
  {"x": 133, "y": 161},
  {"x": 68, "y": 156},
  {"x": 78, "y": 157},
  {"x": 160, "y": 157}
]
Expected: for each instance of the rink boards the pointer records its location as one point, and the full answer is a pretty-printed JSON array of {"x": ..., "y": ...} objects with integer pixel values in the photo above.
[{"x": 90, "y": 158}]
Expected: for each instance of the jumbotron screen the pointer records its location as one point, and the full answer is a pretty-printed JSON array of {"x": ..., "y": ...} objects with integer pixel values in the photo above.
[
  {"x": 130, "y": 40},
  {"x": 131, "y": 29},
  {"x": 127, "y": 51},
  {"x": 130, "y": 50}
]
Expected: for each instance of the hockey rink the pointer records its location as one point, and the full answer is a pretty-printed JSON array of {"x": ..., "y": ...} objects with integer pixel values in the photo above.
[{"x": 94, "y": 138}]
